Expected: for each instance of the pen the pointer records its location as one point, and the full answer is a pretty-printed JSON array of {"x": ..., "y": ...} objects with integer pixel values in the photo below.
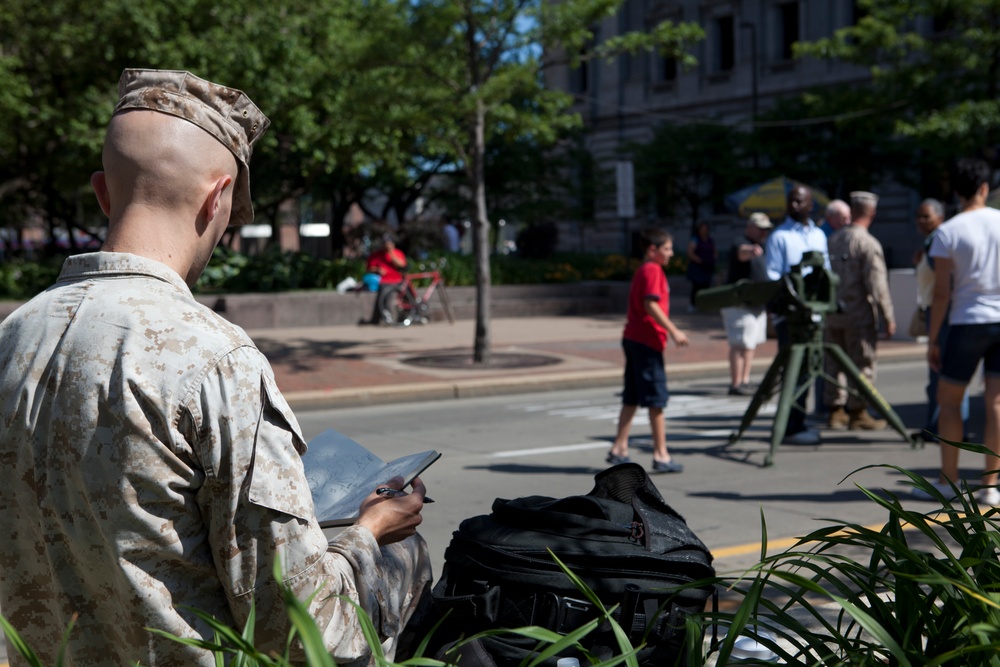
[{"x": 394, "y": 493}]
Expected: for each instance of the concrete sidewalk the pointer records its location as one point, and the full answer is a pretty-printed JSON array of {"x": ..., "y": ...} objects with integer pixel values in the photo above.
[{"x": 349, "y": 365}]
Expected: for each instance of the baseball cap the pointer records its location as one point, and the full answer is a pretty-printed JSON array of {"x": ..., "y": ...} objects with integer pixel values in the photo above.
[
  {"x": 760, "y": 221},
  {"x": 225, "y": 113}
]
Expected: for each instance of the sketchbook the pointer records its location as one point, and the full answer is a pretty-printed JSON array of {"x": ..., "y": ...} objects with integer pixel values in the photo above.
[{"x": 341, "y": 473}]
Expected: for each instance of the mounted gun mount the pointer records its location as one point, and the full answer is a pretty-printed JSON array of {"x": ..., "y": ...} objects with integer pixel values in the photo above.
[{"x": 804, "y": 296}]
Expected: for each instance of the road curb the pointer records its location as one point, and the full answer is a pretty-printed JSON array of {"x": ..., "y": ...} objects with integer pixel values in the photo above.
[{"x": 528, "y": 383}]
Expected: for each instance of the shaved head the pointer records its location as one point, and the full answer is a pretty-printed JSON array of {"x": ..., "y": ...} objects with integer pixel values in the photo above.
[
  {"x": 162, "y": 163},
  {"x": 167, "y": 189}
]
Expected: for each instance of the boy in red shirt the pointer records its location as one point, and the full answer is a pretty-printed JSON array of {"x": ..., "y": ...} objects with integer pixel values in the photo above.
[{"x": 644, "y": 340}]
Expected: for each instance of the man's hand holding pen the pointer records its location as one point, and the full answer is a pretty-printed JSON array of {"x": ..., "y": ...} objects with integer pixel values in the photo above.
[
  {"x": 392, "y": 514},
  {"x": 395, "y": 493}
]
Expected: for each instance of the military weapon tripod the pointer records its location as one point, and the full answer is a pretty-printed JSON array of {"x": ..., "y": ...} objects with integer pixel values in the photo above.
[{"x": 804, "y": 299}]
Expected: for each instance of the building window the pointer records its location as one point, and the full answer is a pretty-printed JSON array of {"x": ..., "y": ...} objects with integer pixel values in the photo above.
[
  {"x": 723, "y": 45},
  {"x": 668, "y": 70},
  {"x": 787, "y": 29}
]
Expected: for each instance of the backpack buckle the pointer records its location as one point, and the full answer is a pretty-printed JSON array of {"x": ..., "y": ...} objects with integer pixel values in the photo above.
[{"x": 568, "y": 613}]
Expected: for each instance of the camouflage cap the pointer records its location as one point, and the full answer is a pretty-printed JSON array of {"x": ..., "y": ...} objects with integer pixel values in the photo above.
[{"x": 225, "y": 113}]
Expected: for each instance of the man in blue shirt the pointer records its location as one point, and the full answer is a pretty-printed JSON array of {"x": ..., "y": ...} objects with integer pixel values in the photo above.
[
  {"x": 785, "y": 247},
  {"x": 795, "y": 236}
]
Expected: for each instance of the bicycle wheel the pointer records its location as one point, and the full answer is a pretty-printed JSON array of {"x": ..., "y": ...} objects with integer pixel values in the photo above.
[{"x": 397, "y": 306}]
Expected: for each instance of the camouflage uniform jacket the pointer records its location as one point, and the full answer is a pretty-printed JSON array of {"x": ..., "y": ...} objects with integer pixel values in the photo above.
[
  {"x": 856, "y": 257},
  {"x": 150, "y": 464}
]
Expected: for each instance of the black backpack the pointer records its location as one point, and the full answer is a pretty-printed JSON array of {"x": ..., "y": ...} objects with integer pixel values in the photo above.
[{"x": 621, "y": 539}]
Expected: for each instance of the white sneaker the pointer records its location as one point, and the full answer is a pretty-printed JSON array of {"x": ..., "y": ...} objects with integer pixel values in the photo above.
[
  {"x": 944, "y": 488},
  {"x": 989, "y": 496},
  {"x": 806, "y": 437}
]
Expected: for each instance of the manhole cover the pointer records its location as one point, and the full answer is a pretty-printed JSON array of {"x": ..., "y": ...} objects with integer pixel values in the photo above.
[{"x": 498, "y": 360}]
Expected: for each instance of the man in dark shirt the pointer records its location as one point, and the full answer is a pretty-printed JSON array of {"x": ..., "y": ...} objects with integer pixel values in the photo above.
[{"x": 746, "y": 327}]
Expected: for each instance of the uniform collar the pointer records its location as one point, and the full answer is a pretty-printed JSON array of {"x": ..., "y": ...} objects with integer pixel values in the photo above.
[{"x": 108, "y": 264}]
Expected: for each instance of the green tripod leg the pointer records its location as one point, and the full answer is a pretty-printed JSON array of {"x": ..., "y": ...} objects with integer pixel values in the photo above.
[
  {"x": 868, "y": 391},
  {"x": 789, "y": 391},
  {"x": 763, "y": 393}
]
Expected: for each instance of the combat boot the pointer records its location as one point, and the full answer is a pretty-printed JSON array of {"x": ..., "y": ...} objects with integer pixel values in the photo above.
[
  {"x": 838, "y": 419},
  {"x": 860, "y": 420}
]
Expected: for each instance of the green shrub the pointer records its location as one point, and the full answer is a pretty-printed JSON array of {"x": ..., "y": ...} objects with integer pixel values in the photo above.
[
  {"x": 275, "y": 270},
  {"x": 924, "y": 591}
]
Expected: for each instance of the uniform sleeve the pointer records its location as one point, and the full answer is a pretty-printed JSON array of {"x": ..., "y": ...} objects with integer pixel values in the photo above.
[
  {"x": 258, "y": 508},
  {"x": 876, "y": 277}
]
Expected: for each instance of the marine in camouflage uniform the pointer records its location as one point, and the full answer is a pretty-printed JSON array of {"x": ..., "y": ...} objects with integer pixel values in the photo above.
[
  {"x": 150, "y": 465},
  {"x": 857, "y": 258}
]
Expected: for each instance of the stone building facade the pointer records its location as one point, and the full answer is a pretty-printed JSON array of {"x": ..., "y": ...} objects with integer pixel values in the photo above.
[{"x": 744, "y": 63}]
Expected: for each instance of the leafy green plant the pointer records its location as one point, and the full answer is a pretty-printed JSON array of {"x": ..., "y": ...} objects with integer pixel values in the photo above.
[
  {"x": 924, "y": 589},
  {"x": 240, "y": 647},
  {"x": 275, "y": 270},
  {"x": 236, "y": 647},
  {"x": 16, "y": 642}
]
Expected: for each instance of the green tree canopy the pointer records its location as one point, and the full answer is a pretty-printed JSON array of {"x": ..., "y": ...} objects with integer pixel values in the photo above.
[
  {"x": 681, "y": 172},
  {"x": 939, "y": 59},
  {"x": 487, "y": 58},
  {"x": 838, "y": 139}
]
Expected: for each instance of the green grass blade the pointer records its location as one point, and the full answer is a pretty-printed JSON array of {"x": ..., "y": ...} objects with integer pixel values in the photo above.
[
  {"x": 16, "y": 642},
  {"x": 876, "y": 630},
  {"x": 621, "y": 638}
]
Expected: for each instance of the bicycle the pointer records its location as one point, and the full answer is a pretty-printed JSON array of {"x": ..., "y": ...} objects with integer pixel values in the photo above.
[{"x": 408, "y": 302}]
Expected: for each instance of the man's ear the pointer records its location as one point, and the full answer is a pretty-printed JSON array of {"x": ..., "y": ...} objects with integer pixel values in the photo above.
[
  {"x": 99, "y": 182},
  {"x": 215, "y": 199}
]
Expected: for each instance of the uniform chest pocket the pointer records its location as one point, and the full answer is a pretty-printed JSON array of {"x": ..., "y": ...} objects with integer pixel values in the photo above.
[{"x": 277, "y": 479}]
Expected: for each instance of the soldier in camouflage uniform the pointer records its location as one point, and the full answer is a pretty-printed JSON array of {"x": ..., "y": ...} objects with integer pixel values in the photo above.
[
  {"x": 150, "y": 464},
  {"x": 856, "y": 257}
]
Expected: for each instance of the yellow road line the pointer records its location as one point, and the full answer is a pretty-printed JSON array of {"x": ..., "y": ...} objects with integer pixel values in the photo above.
[{"x": 779, "y": 544}]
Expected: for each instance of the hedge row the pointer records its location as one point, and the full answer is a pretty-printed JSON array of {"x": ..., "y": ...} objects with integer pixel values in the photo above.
[{"x": 278, "y": 271}]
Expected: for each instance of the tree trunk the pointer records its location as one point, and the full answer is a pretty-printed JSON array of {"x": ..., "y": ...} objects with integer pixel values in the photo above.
[{"x": 481, "y": 239}]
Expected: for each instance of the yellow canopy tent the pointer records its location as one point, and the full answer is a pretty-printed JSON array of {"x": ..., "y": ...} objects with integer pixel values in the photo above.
[{"x": 770, "y": 197}]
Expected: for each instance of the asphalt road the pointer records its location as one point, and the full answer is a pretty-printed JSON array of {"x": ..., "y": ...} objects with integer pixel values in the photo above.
[{"x": 553, "y": 443}]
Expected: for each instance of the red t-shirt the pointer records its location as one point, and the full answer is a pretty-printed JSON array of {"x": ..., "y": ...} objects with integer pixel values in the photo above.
[
  {"x": 380, "y": 260},
  {"x": 649, "y": 282}
]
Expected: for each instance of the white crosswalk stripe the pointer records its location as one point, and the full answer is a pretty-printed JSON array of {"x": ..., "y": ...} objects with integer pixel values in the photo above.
[{"x": 681, "y": 406}]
